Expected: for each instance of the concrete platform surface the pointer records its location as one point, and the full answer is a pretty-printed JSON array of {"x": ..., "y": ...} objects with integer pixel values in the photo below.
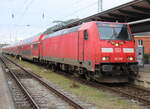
[
  {"x": 145, "y": 69},
  {"x": 6, "y": 101},
  {"x": 144, "y": 76}
]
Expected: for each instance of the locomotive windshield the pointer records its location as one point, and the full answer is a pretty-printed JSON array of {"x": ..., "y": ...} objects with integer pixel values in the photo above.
[{"x": 113, "y": 31}]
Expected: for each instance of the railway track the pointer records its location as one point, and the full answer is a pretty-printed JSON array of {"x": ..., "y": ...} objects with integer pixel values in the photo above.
[
  {"x": 131, "y": 92},
  {"x": 128, "y": 91},
  {"x": 37, "y": 96},
  {"x": 134, "y": 93},
  {"x": 20, "y": 99}
]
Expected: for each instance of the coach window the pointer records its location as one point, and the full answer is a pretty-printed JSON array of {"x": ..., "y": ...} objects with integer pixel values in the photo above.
[
  {"x": 85, "y": 35},
  {"x": 35, "y": 46}
]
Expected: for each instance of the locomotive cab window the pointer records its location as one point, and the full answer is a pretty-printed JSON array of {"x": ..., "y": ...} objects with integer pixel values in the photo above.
[
  {"x": 113, "y": 31},
  {"x": 85, "y": 35}
]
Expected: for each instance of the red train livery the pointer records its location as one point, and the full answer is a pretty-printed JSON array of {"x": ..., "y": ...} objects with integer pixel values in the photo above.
[{"x": 102, "y": 51}]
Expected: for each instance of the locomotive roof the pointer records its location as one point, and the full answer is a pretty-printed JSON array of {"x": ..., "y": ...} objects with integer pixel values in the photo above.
[
  {"x": 61, "y": 32},
  {"x": 75, "y": 28}
]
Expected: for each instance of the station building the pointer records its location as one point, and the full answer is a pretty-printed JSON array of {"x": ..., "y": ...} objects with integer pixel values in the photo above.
[{"x": 143, "y": 39}]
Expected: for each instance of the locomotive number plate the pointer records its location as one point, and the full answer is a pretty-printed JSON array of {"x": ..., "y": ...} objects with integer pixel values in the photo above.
[{"x": 118, "y": 58}]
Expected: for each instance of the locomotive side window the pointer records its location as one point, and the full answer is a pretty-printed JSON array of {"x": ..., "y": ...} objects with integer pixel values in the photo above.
[
  {"x": 113, "y": 32},
  {"x": 85, "y": 35},
  {"x": 35, "y": 46}
]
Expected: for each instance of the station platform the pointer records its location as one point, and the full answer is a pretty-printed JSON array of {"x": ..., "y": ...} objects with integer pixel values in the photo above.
[
  {"x": 6, "y": 101},
  {"x": 144, "y": 76}
]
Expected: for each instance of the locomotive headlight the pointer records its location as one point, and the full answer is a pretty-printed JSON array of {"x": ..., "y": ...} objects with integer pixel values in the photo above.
[
  {"x": 105, "y": 58},
  {"x": 130, "y": 58},
  {"x": 117, "y": 44}
]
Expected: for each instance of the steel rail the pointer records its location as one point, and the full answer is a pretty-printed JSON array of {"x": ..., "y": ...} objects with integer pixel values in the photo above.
[
  {"x": 62, "y": 96},
  {"x": 123, "y": 93},
  {"x": 115, "y": 90},
  {"x": 100, "y": 86},
  {"x": 140, "y": 99},
  {"x": 33, "y": 103},
  {"x": 105, "y": 87}
]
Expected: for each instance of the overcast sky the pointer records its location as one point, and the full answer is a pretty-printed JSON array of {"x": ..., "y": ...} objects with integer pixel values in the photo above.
[{"x": 20, "y": 19}]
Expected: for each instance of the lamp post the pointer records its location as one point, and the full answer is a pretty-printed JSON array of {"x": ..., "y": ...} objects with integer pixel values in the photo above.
[{"x": 100, "y": 6}]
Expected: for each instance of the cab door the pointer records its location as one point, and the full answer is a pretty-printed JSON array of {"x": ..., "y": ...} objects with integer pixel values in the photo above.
[
  {"x": 82, "y": 37},
  {"x": 80, "y": 46}
]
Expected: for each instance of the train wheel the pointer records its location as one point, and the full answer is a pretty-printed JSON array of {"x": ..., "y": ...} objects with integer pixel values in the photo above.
[
  {"x": 76, "y": 74},
  {"x": 53, "y": 67}
]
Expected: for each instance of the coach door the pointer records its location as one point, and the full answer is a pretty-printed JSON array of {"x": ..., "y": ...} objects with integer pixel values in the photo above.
[
  {"x": 35, "y": 49},
  {"x": 83, "y": 36}
]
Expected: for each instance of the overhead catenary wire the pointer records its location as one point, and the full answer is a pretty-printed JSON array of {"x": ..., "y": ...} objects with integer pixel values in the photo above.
[
  {"x": 78, "y": 2},
  {"x": 21, "y": 17},
  {"x": 25, "y": 10},
  {"x": 81, "y": 9},
  {"x": 43, "y": 14}
]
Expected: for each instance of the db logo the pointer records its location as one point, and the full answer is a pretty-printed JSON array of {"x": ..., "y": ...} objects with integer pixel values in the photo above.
[
  {"x": 117, "y": 49},
  {"x": 118, "y": 58}
]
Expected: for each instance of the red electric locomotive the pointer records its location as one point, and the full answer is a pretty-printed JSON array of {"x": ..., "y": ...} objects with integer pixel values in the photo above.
[{"x": 101, "y": 51}]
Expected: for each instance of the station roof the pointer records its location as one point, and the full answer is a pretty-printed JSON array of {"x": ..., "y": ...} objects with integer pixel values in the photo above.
[
  {"x": 140, "y": 26},
  {"x": 129, "y": 12},
  {"x": 142, "y": 34}
]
